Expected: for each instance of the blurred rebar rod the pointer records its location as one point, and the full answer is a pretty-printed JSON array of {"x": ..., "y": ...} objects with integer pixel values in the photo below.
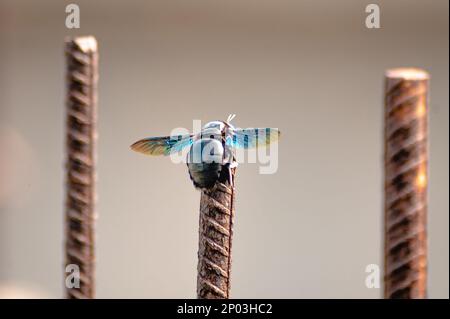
[
  {"x": 406, "y": 157},
  {"x": 215, "y": 236},
  {"x": 81, "y": 102}
]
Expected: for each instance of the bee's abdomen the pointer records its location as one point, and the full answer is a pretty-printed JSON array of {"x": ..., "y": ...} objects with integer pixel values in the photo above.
[
  {"x": 205, "y": 162},
  {"x": 204, "y": 175}
]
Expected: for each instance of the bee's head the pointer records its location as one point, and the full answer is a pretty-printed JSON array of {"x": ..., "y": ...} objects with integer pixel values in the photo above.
[
  {"x": 213, "y": 130},
  {"x": 220, "y": 125},
  {"x": 214, "y": 125}
]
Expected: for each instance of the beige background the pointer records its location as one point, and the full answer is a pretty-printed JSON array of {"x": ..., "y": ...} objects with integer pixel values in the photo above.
[{"x": 310, "y": 68}]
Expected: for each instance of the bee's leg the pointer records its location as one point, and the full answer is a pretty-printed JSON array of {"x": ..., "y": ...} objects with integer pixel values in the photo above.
[
  {"x": 225, "y": 175},
  {"x": 230, "y": 175},
  {"x": 231, "y": 165},
  {"x": 228, "y": 164}
]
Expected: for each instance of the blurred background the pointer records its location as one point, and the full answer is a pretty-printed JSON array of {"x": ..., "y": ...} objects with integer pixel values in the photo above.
[{"x": 310, "y": 68}]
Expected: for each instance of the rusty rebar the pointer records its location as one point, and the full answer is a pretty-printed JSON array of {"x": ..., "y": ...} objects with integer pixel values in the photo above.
[
  {"x": 406, "y": 155},
  {"x": 81, "y": 102},
  {"x": 215, "y": 238}
]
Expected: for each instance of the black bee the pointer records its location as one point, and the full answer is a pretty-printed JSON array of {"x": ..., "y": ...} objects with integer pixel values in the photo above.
[{"x": 211, "y": 153}]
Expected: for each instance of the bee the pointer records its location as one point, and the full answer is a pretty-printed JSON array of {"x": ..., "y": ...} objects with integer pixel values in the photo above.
[{"x": 211, "y": 155}]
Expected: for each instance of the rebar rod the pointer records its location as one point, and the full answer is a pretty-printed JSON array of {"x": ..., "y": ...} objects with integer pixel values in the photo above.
[
  {"x": 81, "y": 103},
  {"x": 215, "y": 238},
  {"x": 406, "y": 156}
]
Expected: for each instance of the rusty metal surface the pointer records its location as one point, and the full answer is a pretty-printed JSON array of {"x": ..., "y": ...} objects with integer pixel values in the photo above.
[
  {"x": 81, "y": 102},
  {"x": 215, "y": 238},
  {"x": 405, "y": 184}
]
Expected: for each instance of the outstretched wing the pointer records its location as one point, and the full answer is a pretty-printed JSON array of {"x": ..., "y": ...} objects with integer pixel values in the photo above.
[
  {"x": 252, "y": 137},
  {"x": 165, "y": 145}
]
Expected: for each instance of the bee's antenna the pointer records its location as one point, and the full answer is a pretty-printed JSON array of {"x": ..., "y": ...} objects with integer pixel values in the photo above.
[{"x": 231, "y": 117}]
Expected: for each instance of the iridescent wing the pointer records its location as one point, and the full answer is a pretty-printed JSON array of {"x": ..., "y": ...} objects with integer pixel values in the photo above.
[
  {"x": 165, "y": 145},
  {"x": 252, "y": 137}
]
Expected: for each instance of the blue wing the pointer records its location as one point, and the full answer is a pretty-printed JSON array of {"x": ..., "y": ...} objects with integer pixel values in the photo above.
[
  {"x": 165, "y": 145},
  {"x": 252, "y": 137}
]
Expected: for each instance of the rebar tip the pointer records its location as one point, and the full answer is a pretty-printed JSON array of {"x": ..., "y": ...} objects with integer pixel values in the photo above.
[
  {"x": 85, "y": 43},
  {"x": 407, "y": 74}
]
